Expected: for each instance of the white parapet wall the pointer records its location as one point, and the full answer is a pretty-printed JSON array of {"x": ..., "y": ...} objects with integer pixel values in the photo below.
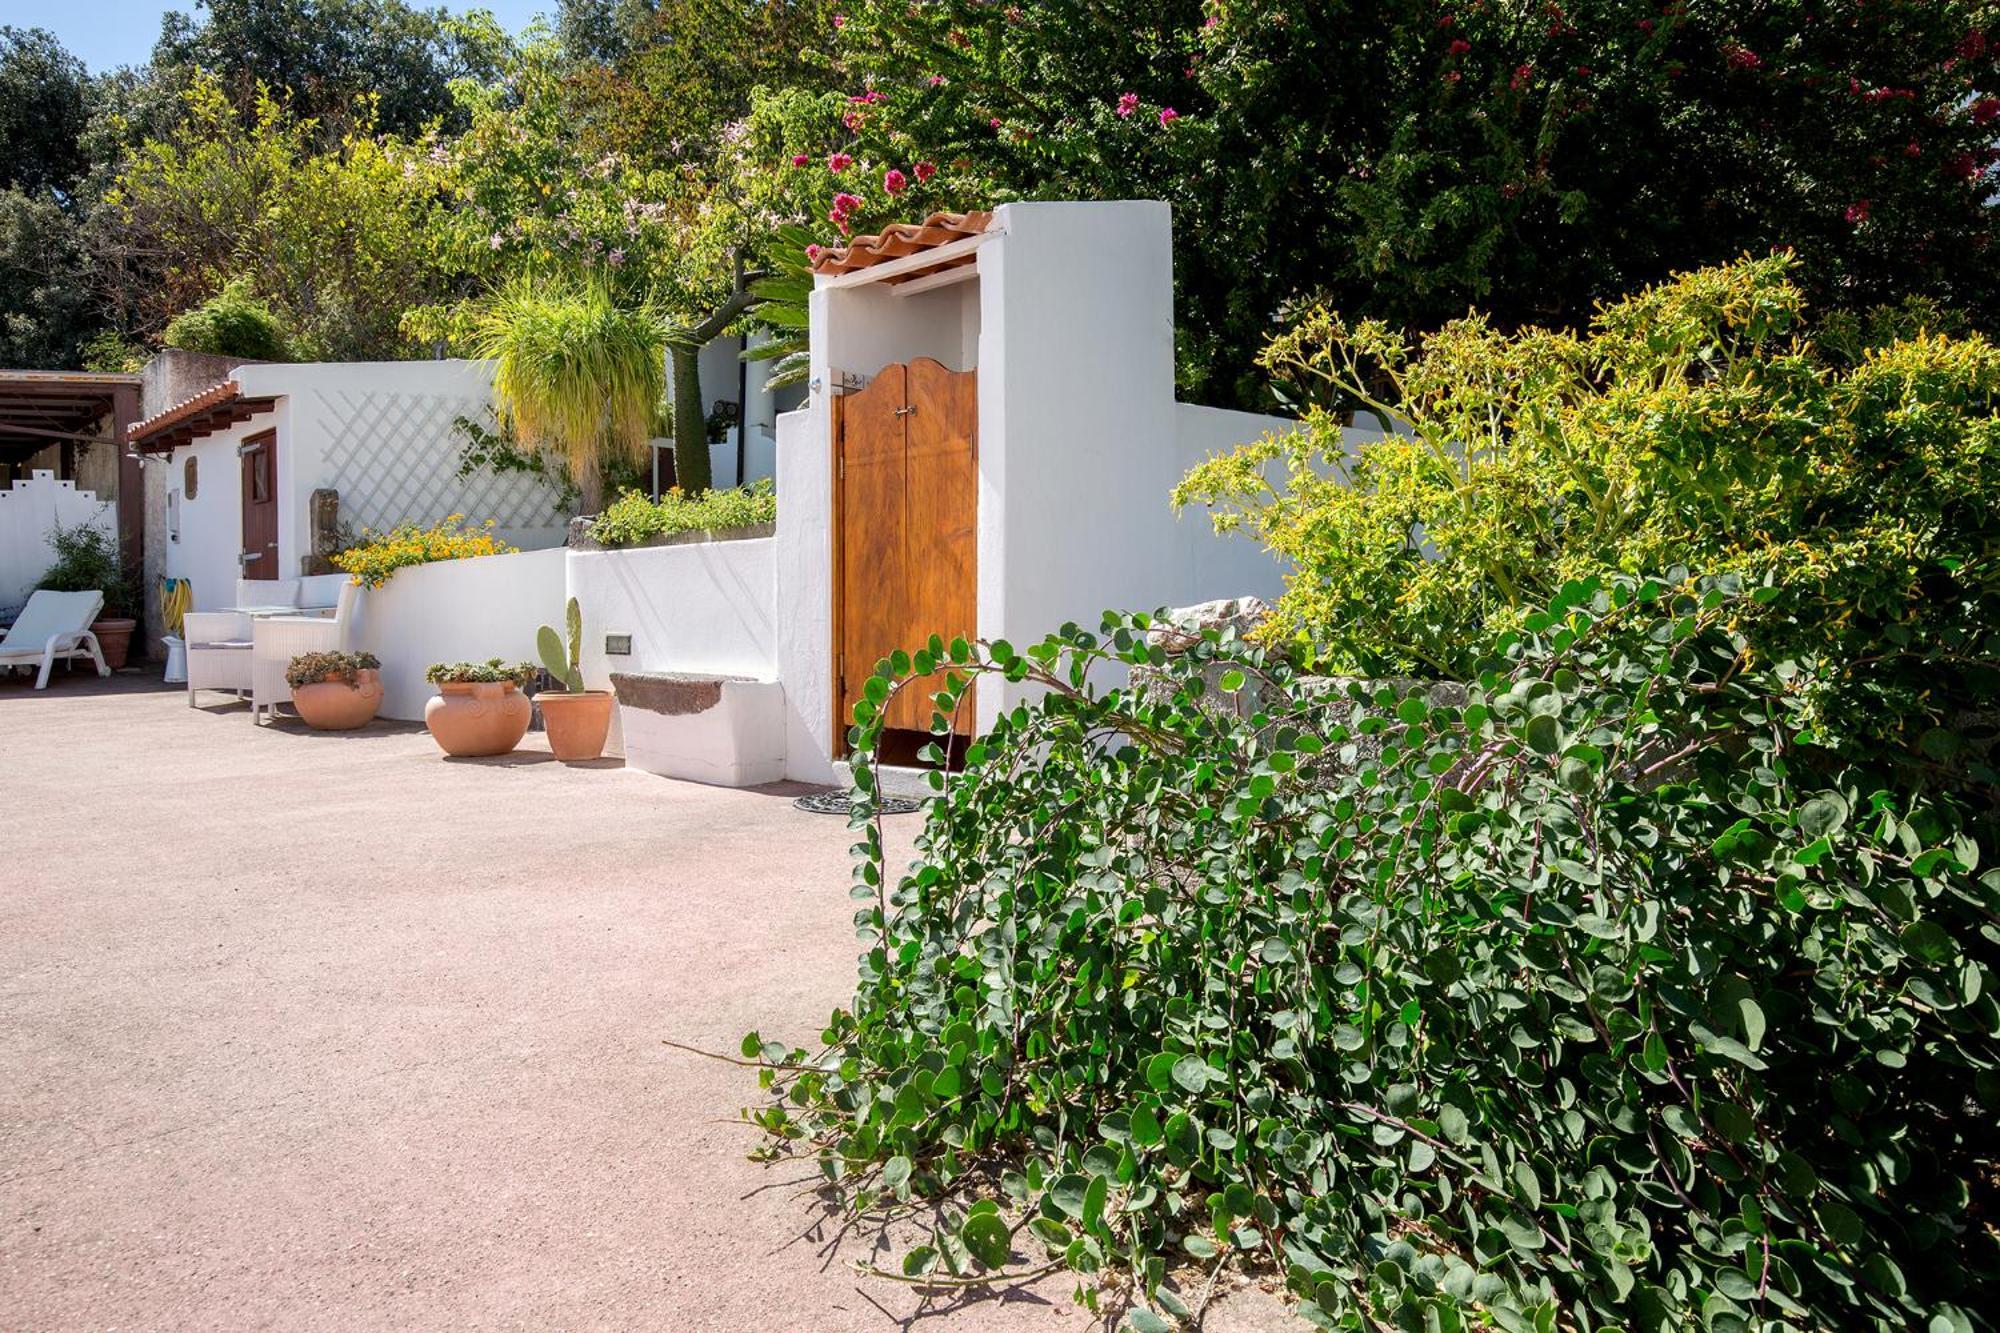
[
  {"x": 457, "y": 611},
  {"x": 701, "y": 608},
  {"x": 30, "y": 511}
]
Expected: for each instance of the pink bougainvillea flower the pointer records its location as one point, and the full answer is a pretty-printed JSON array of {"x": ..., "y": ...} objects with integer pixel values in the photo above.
[
  {"x": 1459, "y": 46},
  {"x": 840, "y": 20},
  {"x": 839, "y": 162},
  {"x": 1447, "y": 20},
  {"x": 1985, "y": 109},
  {"x": 894, "y": 181},
  {"x": 1962, "y": 166},
  {"x": 813, "y": 252},
  {"x": 1523, "y": 76},
  {"x": 1742, "y": 57},
  {"x": 993, "y": 124},
  {"x": 1913, "y": 149},
  {"x": 1857, "y": 212},
  {"x": 1127, "y": 104},
  {"x": 1646, "y": 26},
  {"x": 845, "y": 203},
  {"x": 925, "y": 170},
  {"x": 1168, "y": 115},
  {"x": 800, "y": 159},
  {"x": 1212, "y": 21},
  {"x": 1452, "y": 76},
  {"x": 936, "y": 80}
]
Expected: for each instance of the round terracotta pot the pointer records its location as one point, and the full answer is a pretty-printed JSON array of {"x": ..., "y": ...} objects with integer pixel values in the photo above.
[
  {"x": 576, "y": 723},
  {"x": 114, "y": 639},
  {"x": 478, "y": 718},
  {"x": 334, "y": 705}
]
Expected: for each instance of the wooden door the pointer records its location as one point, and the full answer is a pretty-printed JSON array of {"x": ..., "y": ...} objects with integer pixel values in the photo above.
[
  {"x": 905, "y": 529},
  {"x": 260, "y": 506}
]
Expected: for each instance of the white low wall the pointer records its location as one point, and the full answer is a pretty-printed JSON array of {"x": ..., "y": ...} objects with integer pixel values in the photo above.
[
  {"x": 709, "y": 608},
  {"x": 457, "y": 611},
  {"x": 29, "y": 511}
]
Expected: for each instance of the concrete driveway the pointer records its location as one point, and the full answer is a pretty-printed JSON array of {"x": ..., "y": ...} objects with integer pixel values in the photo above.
[{"x": 325, "y": 1032}]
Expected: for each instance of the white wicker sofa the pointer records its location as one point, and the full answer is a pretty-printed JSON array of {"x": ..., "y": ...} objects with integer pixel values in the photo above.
[{"x": 221, "y": 644}]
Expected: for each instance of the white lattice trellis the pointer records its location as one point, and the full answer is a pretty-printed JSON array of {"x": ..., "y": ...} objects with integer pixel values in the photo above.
[{"x": 394, "y": 459}]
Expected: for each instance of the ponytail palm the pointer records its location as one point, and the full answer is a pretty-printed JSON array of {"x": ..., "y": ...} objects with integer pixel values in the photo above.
[{"x": 579, "y": 376}]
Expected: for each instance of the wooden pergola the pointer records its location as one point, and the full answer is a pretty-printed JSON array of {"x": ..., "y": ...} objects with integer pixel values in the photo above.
[{"x": 69, "y": 410}]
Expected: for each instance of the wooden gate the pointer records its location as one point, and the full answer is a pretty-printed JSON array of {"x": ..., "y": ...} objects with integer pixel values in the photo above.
[
  {"x": 260, "y": 506},
  {"x": 905, "y": 529}
]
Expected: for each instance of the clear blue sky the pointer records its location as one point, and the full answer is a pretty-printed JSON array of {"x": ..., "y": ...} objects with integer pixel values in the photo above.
[{"x": 107, "y": 33}]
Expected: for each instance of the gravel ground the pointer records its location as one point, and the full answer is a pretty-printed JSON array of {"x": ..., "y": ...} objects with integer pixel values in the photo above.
[{"x": 308, "y": 1031}]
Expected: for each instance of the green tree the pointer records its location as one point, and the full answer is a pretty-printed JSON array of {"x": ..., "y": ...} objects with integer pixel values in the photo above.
[
  {"x": 44, "y": 107},
  {"x": 335, "y": 237},
  {"x": 327, "y": 54},
  {"x": 1408, "y": 159}
]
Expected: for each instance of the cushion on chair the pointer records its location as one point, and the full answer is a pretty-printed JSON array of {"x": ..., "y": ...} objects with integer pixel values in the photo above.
[
  {"x": 267, "y": 592},
  {"x": 322, "y": 591}
]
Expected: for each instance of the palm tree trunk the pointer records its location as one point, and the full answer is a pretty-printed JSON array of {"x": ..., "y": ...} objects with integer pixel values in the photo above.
[{"x": 691, "y": 472}]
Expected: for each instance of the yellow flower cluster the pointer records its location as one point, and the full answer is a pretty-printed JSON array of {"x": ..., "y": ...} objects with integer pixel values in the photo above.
[{"x": 378, "y": 555}]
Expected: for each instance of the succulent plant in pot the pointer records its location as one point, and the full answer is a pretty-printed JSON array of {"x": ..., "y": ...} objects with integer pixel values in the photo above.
[
  {"x": 335, "y": 691},
  {"x": 480, "y": 709},
  {"x": 576, "y": 719}
]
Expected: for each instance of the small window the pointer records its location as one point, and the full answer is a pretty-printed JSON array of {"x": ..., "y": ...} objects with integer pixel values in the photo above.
[
  {"x": 260, "y": 476},
  {"x": 188, "y": 478}
]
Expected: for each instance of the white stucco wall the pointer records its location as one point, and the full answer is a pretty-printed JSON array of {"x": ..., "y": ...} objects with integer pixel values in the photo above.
[
  {"x": 457, "y": 611},
  {"x": 708, "y": 608},
  {"x": 804, "y": 552},
  {"x": 30, "y": 512}
]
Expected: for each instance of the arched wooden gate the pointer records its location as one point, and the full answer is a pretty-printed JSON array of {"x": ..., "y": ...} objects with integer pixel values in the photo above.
[{"x": 905, "y": 529}]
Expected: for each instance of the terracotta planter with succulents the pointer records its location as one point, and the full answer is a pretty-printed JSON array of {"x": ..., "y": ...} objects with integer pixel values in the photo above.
[
  {"x": 577, "y": 720},
  {"x": 480, "y": 709},
  {"x": 335, "y": 691}
]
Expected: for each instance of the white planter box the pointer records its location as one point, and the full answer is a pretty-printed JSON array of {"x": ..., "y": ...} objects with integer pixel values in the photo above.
[{"x": 727, "y": 731}]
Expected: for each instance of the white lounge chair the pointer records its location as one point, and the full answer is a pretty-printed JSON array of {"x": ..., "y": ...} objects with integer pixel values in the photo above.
[
  {"x": 278, "y": 639},
  {"x": 53, "y": 625}
]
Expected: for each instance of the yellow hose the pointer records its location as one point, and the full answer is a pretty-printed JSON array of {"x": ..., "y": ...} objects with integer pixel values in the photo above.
[{"x": 176, "y": 597}]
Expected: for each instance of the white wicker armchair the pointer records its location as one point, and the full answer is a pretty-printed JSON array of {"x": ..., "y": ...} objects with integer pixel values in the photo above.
[{"x": 276, "y": 640}]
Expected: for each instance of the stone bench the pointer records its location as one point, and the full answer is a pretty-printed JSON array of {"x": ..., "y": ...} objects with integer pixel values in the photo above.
[{"x": 727, "y": 731}]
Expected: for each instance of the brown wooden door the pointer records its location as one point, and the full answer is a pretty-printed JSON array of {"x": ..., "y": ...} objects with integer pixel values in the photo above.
[
  {"x": 906, "y": 528},
  {"x": 260, "y": 506}
]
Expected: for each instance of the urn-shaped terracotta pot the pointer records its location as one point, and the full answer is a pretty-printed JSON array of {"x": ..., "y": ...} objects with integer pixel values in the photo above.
[
  {"x": 576, "y": 723},
  {"x": 114, "y": 639},
  {"x": 478, "y": 717},
  {"x": 334, "y": 705}
]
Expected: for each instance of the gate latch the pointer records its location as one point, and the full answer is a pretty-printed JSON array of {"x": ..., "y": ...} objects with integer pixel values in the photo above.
[{"x": 905, "y": 411}]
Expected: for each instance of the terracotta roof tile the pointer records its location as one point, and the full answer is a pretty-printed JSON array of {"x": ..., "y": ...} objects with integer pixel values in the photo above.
[
  {"x": 214, "y": 408},
  {"x": 902, "y": 238}
]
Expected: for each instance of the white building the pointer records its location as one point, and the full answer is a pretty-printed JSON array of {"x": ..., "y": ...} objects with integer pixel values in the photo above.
[{"x": 245, "y": 458}]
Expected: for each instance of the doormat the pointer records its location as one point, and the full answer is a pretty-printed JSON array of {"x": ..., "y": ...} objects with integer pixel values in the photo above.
[{"x": 838, "y": 803}]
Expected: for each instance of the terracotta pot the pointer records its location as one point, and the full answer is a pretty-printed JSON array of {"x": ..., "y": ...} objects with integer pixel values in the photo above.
[
  {"x": 334, "y": 705},
  {"x": 576, "y": 723},
  {"x": 478, "y": 718},
  {"x": 114, "y": 639}
]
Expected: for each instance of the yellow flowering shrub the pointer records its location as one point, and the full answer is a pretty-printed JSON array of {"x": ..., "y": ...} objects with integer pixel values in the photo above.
[
  {"x": 1706, "y": 424},
  {"x": 378, "y": 555}
]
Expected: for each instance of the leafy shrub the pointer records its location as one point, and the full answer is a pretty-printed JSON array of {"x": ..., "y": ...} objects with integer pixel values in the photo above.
[
  {"x": 1605, "y": 1000},
  {"x": 633, "y": 520},
  {"x": 233, "y": 322},
  {"x": 378, "y": 555},
  {"x": 1700, "y": 422},
  {"x": 491, "y": 671},
  {"x": 87, "y": 561},
  {"x": 315, "y": 668}
]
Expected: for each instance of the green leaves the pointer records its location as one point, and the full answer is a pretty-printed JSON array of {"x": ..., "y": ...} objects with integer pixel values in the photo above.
[{"x": 1535, "y": 1001}]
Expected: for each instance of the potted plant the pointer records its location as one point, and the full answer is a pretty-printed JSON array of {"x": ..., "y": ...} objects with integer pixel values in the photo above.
[
  {"x": 480, "y": 709},
  {"x": 87, "y": 561},
  {"x": 335, "y": 691},
  {"x": 576, "y": 719}
]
